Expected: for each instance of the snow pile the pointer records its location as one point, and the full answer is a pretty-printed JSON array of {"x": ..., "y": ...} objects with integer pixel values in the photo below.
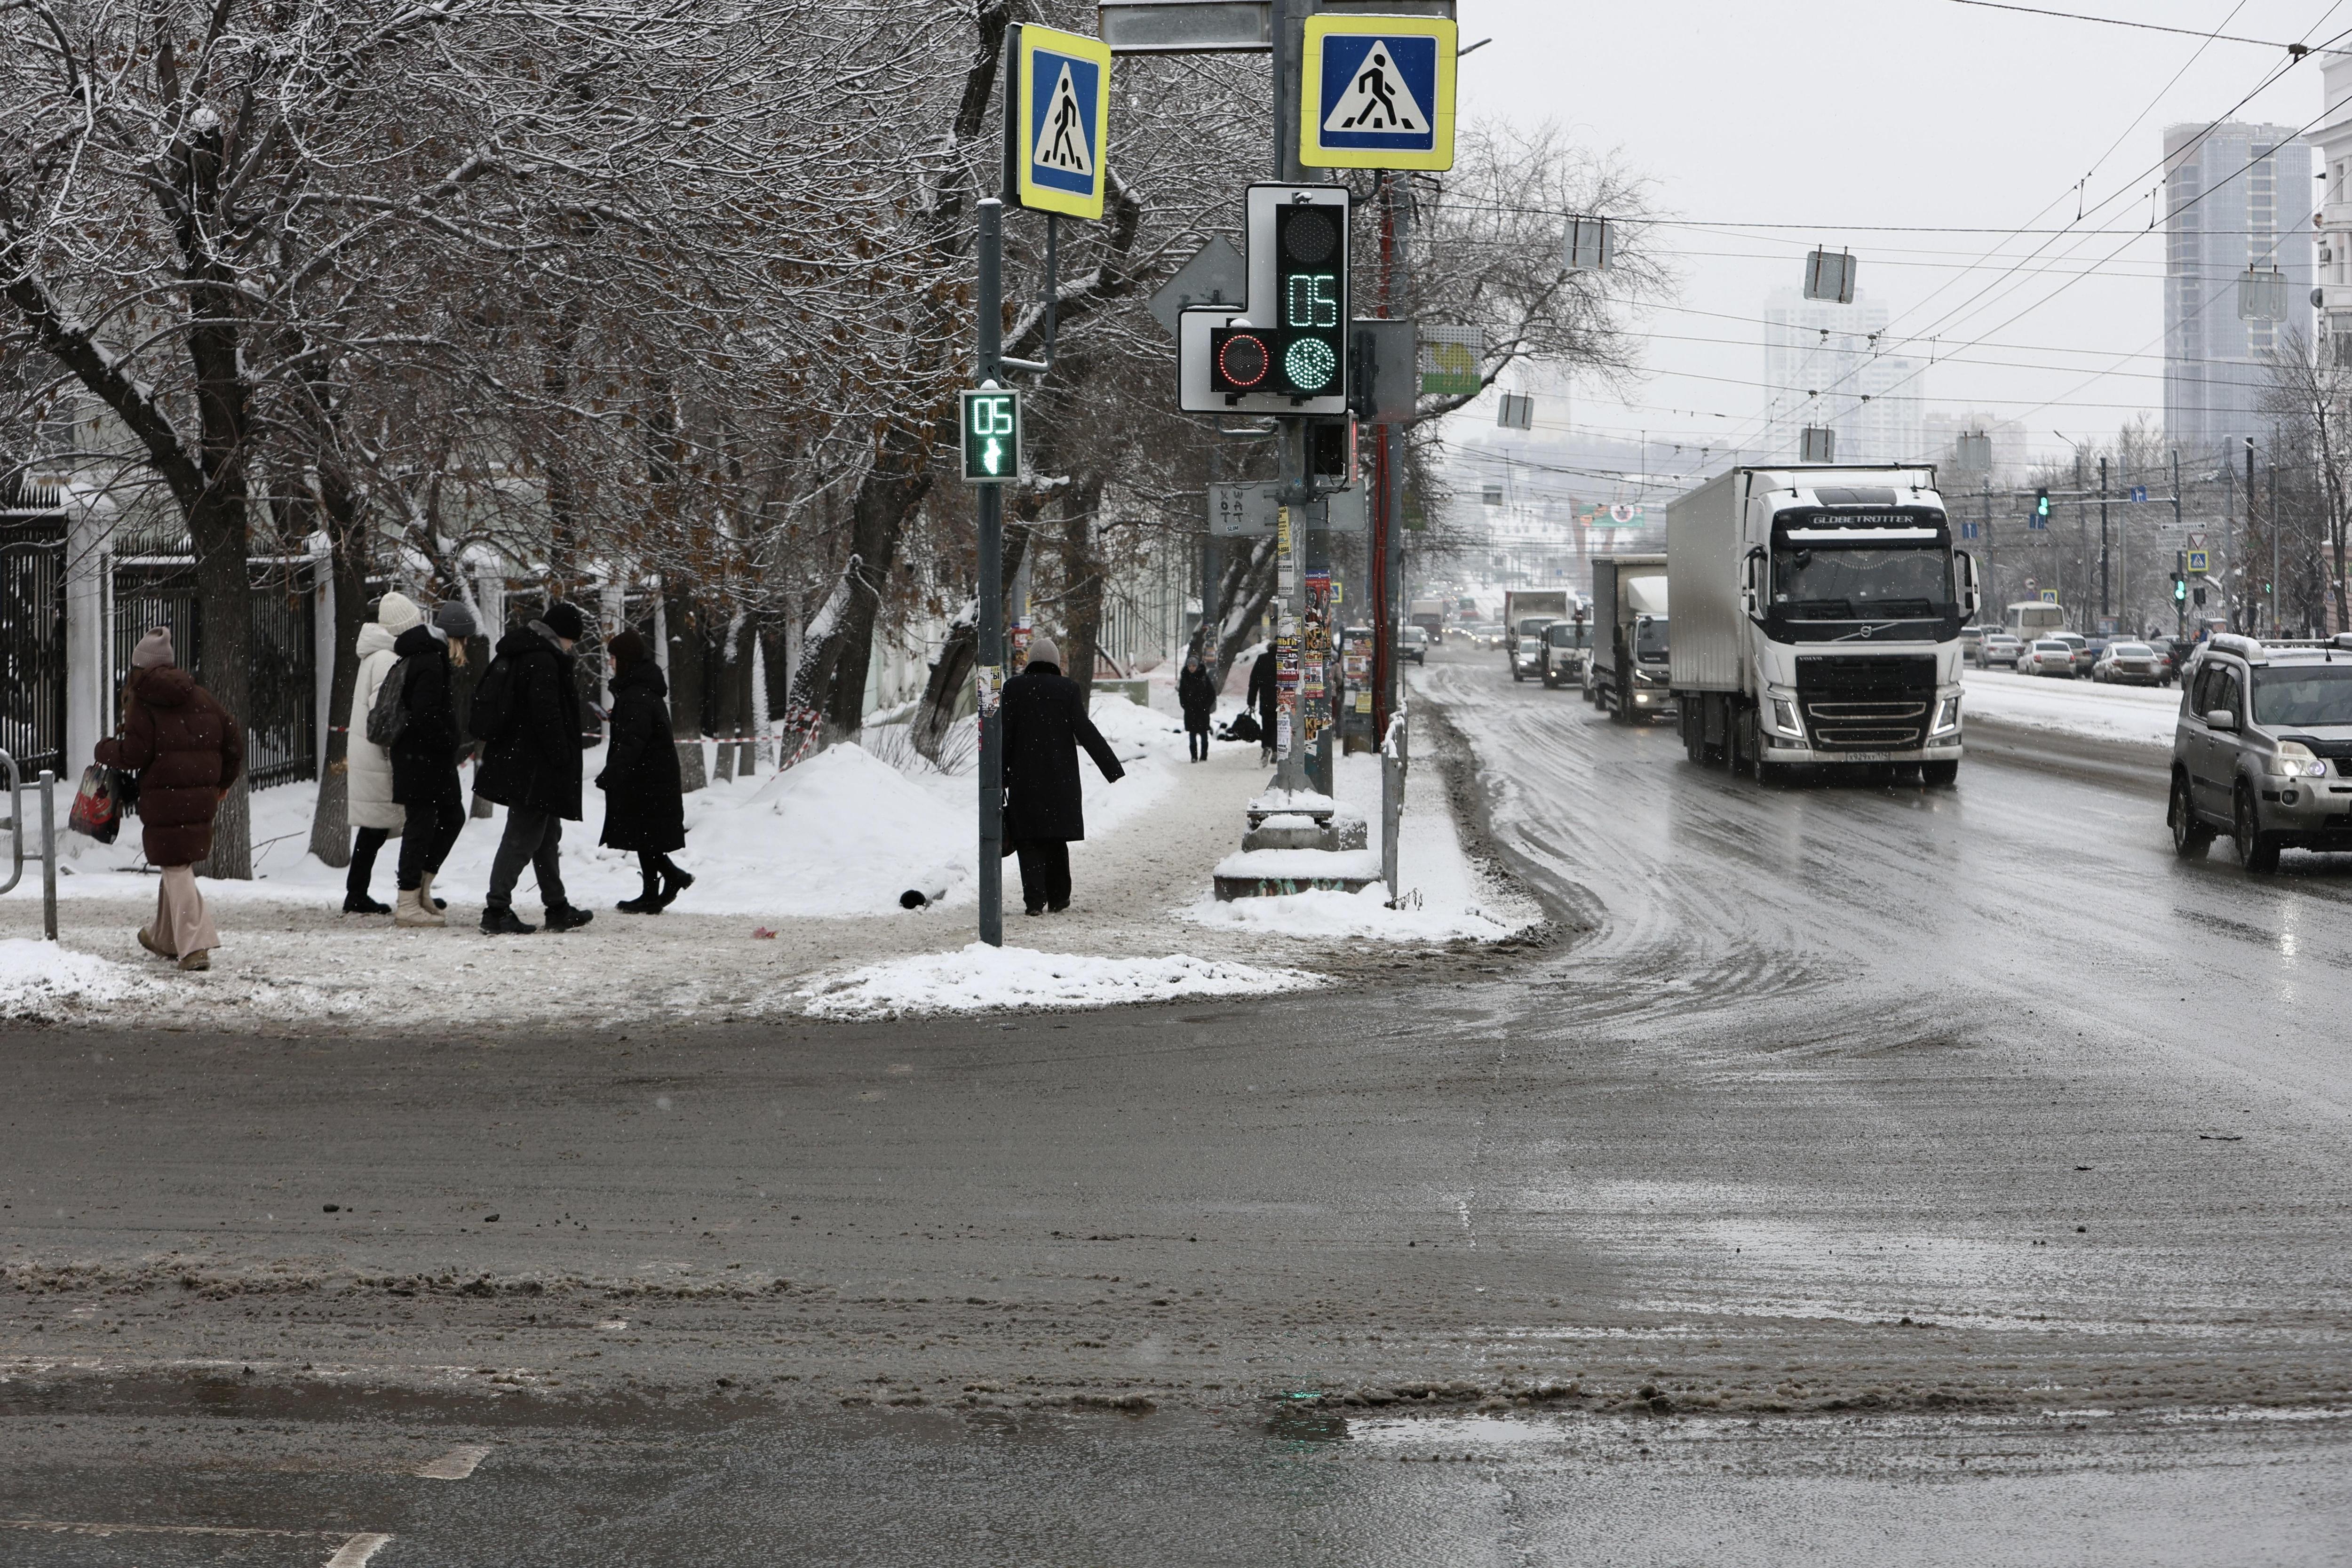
[
  {"x": 1326, "y": 915},
  {"x": 981, "y": 978},
  {"x": 1300, "y": 864},
  {"x": 842, "y": 834},
  {"x": 2142, "y": 715},
  {"x": 36, "y": 974}
]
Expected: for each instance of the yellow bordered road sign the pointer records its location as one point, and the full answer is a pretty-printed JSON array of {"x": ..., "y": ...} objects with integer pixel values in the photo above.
[
  {"x": 2198, "y": 564},
  {"x": 1377, "y": 92},
  {"x": 1060, "y": 129}
]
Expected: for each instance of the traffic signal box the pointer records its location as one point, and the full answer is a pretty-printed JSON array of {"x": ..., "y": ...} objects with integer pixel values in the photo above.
[
  {"x": 992, "y": 435},
  {"x": 1287, "y": 353},
  {"x": 2041, "y": 509}
]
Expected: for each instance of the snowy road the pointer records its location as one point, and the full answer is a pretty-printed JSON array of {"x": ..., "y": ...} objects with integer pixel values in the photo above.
[{"x": 1888, "y": 1177}]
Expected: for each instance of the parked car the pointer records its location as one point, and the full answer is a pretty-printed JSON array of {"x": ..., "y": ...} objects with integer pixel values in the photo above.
[
  {"x": 2084, "y": 657},
  {"x": 2129, "y": 664},
  {"x": 1998, "y": 649},
  {"x": 1413, "y": 643},
  {"x": 1526, "y": 657},
  {"x": 2047, "y": 656},
  {"x": 2264, "y": 733},
  {"x": 1972, "y": 640}
]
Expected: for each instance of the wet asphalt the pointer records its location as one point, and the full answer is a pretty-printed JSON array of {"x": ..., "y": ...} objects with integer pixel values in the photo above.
[{"x": 1862, "y": 1173}]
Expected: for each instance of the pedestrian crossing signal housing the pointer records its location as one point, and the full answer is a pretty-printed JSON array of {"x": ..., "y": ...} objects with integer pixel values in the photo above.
[
  {"x": 2040, "y": 508},
  {"x": 1295, "y": 346},
  {"x": 992, "y": 437}
]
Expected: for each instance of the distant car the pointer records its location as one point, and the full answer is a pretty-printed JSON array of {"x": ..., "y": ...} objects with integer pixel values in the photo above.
[
  {"x": 2047, "y": 656},
  {"x": 1998, "y": 647},
  {"x": 2130, "y": 664},
  {"x": 2086, "y": 654},
  {"x": 1567, "y": 649},
  {"x": 1526, "y": 657},
  {"x": 1413, "y": 643},
  {"x": 1972, "y": 640}
]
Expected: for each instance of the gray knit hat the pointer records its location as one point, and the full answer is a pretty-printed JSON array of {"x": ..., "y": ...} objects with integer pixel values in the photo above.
[
  {"x": 1043, "y": 651},
  {"x": 453, "y": 616},
  {"x": 154, "y": 649}
]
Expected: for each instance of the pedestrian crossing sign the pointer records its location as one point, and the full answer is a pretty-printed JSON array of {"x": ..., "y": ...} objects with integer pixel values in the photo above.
[
  {"x": 2200, "y": 563},
  {"x": 1059, "y": 125},
  {"x": 1377, "y": 92}
]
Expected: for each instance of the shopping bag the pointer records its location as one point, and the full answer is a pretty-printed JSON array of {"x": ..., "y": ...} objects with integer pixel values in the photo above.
[{"x": 98, "y": 805}]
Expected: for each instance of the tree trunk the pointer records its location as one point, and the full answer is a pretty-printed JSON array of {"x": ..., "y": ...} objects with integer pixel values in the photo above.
[
  {"x": 224, "y": 606},
  {"x": 732, "y": 678},
  {"x": 824, "y": 647},
  {"x": 960, "y": 659},
  {"x": 1245, "y": 588},
  {"x": 1082, "y": 584},
  {"x": 331, "y": 833},
  {"x": 889, "y": 494},
  {"x": 689, "y": 650}
]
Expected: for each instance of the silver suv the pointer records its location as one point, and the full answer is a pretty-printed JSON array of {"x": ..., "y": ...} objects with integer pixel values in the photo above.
[{"x": 2263, "y": 748}]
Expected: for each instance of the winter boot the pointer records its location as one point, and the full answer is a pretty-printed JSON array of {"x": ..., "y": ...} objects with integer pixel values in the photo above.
[
  {"x": 356, "y": 903},
  {"x": 436, "y": 908},
  {"x": 565, "y": 917},
  {"x": 202, "y": 959},
  {"x": 411, "y": 909},
  {"x": 674, "y": 882},
  {"x": 499, "y": 921},
  {"x": 148, "y": 943}
]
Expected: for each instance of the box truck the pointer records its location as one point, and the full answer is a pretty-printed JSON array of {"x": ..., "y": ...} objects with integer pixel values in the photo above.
[
  {"x": 1627, "y": 673},
  {"x": 1525, "y": 613},
  {"x": 1818, "y": 611}
]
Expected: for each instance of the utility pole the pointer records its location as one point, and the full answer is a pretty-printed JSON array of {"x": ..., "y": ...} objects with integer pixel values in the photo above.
[
  {"x": 2271, "y": 589},
  {"x": 2102, "y": 538},
  {"x": 2245, "y": 621},
  {"x": 2180, "y": 603},
  {"x": 1991, "y": 560},
  {"x": 991, "y": 588}
]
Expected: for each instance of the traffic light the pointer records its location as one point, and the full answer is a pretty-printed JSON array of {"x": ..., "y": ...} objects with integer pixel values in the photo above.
[
  {"x": 2179, "y": 588},
  {"x": 991, "y": 436},
  {"x": 1332, "y": 454},
  {"x": 2041, "y": 508},
  {"x": 1288, "y": 352}
]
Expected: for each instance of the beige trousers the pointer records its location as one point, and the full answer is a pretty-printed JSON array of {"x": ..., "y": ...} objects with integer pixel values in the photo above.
[{"x": 182, "y": 924}]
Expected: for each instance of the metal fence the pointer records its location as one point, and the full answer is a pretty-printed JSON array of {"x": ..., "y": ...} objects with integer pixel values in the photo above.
[
  {"x": 281, "y": 716},
  {"x": 32, "y": 636}
]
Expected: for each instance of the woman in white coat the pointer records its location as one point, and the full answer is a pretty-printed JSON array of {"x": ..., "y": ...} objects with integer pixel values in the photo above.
[{"x": 373, "y": 810}]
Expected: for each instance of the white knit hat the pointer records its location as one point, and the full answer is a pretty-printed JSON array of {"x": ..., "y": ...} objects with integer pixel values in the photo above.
[
  {"x": 1043, "y": 651},
  {"x": 397, "y": 612}
]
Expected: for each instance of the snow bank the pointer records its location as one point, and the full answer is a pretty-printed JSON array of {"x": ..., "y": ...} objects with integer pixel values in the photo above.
[
  {"x": 1324, "y": 915},
  {"x": 36, "y": 974},
  {"x": 2141, "y": 715},
  {"x": 842, "y": 834},
  {"x": 979, "y": 979},
  {"x": 1299, "y": 865}
]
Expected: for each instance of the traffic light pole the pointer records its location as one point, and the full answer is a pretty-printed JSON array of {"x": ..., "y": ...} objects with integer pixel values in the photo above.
[
  {"x": 991, "y": 592},
  {"x": 2103, "y": 539}
]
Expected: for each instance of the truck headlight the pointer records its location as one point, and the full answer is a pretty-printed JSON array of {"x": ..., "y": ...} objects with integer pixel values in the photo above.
[
  {"x": 1947, "y": 716},
  {"x": 2295, "y": 760},
  {"x": 1784, "y": 717}
]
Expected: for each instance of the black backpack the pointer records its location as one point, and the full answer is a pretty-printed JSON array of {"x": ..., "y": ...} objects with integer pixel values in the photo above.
[
  {"x": 388, "y": 715},
  {"x": 493, "y": 715}
]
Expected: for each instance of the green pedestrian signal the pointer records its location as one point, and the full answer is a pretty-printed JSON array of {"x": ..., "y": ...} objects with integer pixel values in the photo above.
[
  {"x": 2040, "y": 508},
  {"x": 992, "y": 437},
  {"x": 2179, "y": 589}
]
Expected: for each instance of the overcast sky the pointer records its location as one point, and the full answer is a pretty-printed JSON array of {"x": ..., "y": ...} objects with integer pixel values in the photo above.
[{"x": 1852, "y": 118}]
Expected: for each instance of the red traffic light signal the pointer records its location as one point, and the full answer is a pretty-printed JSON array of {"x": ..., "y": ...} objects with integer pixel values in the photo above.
[{"x": 1241, "y": 359}]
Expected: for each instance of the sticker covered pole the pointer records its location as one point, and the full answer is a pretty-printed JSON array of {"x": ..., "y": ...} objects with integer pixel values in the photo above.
[{"x": 990, "y": 673}]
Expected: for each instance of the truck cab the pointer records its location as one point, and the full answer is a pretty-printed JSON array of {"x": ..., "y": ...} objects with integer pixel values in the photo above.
[{"x": 1818, "y": 612}]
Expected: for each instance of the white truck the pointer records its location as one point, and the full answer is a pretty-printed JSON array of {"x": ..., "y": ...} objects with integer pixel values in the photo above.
[
  {"x": 1525, "y": 613},
  {"x": 1818, "y": 611},
  {"x": 1626, "y": 676}
]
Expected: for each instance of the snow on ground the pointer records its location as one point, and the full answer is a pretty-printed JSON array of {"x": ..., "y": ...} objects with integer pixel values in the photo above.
[
  {"x": 1442, "y": 896},
  {"x": 36, "y": 976},
  {"x": 2142, "y": 715},
  {"x": 982, "y": 979}
]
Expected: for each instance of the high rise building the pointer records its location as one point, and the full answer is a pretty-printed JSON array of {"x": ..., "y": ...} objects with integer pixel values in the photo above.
[
  {"x": 1824, "y": 366},
  {"x": 2235, "y": 197},
  {"x": 2333, "y": 142}
]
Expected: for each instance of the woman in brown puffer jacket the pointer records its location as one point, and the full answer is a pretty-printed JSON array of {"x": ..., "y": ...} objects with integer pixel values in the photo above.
[{"x": 187, "y": 751}]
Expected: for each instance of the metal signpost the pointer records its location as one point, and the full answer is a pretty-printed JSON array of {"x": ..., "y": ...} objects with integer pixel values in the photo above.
[{"x": 1056, "y": 120}]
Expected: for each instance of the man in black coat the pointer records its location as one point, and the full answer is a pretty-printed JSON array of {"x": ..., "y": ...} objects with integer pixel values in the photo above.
[
  {"x": 532, "y": 766},
  {"x": 424, "y": 760},
  {"x": 1196, "y": 693},
  {"x": 1045, "y": 719},
  {"x": 1262, "y": 697},
  {"x": 645, "y": 805}
]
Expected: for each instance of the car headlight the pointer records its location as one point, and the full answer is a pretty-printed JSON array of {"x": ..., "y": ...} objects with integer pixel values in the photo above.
[
  {"x": 1947, "y": 716},
  {"x": 2295, "y": 760}
]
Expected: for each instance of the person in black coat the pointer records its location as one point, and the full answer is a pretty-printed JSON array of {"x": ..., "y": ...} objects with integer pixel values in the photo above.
[
  {"x": 531, "y": 766},
  {"x": 645, "y": 801},
  {"x": 1262, "y": 697},
  {"x": 1045, "y": 719},
  {"x": 424, "y": 761},
  {"x": 1196, "y": 693}
]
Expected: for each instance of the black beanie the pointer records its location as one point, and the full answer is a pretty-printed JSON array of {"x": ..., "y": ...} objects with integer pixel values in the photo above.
[{"x": 564, "y": 620}]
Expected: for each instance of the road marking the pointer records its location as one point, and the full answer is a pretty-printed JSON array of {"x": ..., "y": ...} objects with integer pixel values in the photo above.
[
  {"x": 456, "y": 1464},
  {"x": 358, "y": 1550},
  {"x": 353, "y": 1553}
]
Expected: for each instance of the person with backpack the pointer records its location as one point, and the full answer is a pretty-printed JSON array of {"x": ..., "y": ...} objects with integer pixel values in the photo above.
[
  {"x": 1196, "y": 693},
  {"x": 187, "y": 751},
  {"x": 526, "y": 710},
  {"x": 374, "y": 813},
  {"x": 645, "y": 808},
  {"x": 421, "y": 732}
]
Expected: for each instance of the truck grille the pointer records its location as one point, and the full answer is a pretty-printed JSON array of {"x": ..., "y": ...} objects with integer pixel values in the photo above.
[{"x": 1866, "y": 704}]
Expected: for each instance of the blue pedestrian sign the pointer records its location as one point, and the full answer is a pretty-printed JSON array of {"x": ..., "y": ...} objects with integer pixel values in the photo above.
[
  {"x": 1377, "y": 92},
  {"x": 1059, "y": 120},
  {"x": 2139, "y": 493}
]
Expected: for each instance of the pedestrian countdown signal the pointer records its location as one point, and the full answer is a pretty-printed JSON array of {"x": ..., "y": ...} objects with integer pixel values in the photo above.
[{"x": 992, "y": 437}]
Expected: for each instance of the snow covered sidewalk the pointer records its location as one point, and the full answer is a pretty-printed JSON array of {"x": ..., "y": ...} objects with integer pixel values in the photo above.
[
  {"x": 2137, "y": 715},
  {"x": 795, "y": 909}
]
